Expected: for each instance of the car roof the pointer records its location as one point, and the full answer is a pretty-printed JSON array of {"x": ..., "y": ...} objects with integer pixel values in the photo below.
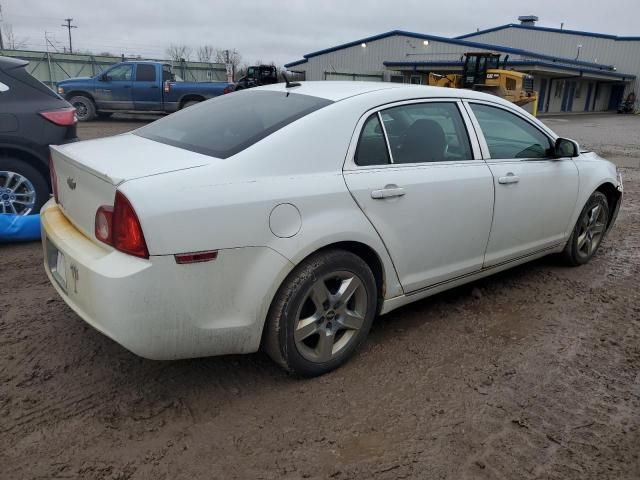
[
  {"x": 9, "y": 63},
  {"x": 341, "y": 90}
]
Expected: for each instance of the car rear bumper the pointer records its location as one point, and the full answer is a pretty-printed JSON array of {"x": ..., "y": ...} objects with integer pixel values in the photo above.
[{"x": 156, "y": 308}]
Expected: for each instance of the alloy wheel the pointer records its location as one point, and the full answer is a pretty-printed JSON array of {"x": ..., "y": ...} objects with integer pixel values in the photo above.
[
  {"x": 17, "y": 194},
  {"x": 329, "y": 317},
  {"x": 592, "y": 227}
]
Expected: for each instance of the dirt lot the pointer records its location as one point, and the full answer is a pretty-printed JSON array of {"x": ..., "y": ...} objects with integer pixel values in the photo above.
[{"x": 532, "y": 373}]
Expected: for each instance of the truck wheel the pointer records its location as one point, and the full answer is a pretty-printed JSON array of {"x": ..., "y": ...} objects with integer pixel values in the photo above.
[
  {"x": 189, "y": 104},
  {"x": 85, "y": 109},
  {"x": 23, "y": 189}
]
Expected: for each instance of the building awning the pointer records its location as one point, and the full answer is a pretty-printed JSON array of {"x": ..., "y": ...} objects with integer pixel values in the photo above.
[{"x": 547, "y": 68}]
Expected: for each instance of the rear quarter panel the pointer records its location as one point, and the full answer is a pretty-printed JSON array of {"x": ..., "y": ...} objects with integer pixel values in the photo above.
[
  {"x": 178, "y": 90},
  {"x": 228, "y": 204}
]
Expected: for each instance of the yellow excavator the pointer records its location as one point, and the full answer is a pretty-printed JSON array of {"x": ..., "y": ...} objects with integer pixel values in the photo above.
[{"x": 482, "y": 71}]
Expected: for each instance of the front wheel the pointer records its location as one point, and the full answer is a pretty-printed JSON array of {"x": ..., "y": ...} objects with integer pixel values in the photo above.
[
  {"x": 322, "y": 313},
  {"x": 589, "y": 230},
  {"x": 85, "y": 108}
]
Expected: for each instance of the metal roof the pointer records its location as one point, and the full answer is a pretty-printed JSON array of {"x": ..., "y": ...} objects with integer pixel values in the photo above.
[
  {"x": 422, "y": 36},
  {"x": 548, "y": 29}
]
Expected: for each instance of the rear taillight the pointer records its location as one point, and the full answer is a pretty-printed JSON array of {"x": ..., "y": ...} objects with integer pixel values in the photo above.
[
  {"x": 119, "y": 227},
  {"x": 228, "y": 89},
  {"x": 54, "y": 179},
  {"x": 63, "y": 117}
]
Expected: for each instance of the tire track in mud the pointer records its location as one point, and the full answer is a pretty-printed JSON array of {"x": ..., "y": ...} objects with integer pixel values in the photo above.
[
  {"x": 601, "y": 381},
  {"x": 521, "y": 381}
]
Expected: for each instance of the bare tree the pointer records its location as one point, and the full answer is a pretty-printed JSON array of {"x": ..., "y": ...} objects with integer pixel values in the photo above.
[
  {"x": 205, "y": 53},
  {"x": 234, "y": 57},
  {"x": 13, "y": 42},
  {"x": 179, "y": 52}
]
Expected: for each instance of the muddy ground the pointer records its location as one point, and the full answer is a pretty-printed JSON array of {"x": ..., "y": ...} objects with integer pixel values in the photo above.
[{"x": 532, "y": 373}]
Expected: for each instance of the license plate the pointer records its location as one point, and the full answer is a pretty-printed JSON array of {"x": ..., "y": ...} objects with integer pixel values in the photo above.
[{"x": 57, "y": 265}]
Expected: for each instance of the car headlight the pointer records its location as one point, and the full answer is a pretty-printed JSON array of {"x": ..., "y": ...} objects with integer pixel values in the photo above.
[{"x": 60, "y": 90}]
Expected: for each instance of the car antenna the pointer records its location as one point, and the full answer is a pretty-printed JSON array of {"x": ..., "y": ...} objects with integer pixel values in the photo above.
[{"x": 289, "y": 83}]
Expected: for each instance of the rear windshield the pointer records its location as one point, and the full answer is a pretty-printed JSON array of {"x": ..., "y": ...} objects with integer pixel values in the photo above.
[
  {"x": 230, "y": 123},
  {"x": 23, "y": 76}
]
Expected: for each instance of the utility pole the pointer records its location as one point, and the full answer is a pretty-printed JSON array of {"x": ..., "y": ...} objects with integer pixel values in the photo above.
[
  {"x": 68, "y": 26},
  {"x": 1, "y": 41}
]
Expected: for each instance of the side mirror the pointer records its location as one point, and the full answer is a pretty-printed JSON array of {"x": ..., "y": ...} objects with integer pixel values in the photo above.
[
  {"x": 565, "y": 147},
  {"x": 104, "y": 77}
]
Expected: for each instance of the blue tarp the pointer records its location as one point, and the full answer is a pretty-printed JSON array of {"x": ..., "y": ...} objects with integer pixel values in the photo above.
[{"x": 15, "y": 228}]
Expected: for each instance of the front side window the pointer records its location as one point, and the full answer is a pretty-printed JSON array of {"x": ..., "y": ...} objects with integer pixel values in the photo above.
[
  {"x": 226, "y": 125},
  {"x": 509, "y": 136},
  {"x": 120, "y": 73},
  {"x": 426, "y": 132},
  {"x": 372, "y": 147}
]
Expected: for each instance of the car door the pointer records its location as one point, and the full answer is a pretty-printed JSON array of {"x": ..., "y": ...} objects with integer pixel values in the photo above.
[
  {"x": 113, "y": 88},
  {"x": 147, "y": 94},
  {"x": 422, "y": 184},
  {"x": 535, "y": 193}
]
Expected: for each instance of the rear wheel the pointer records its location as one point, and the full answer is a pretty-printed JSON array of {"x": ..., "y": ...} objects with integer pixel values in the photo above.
[
  {"x": 85, "y": 108},
  {"x": 23, "y": 189},
  {"x": 190, "y": 103},
  {"x": 322, "y": 313},
  {"x": 588, "y": 231}
]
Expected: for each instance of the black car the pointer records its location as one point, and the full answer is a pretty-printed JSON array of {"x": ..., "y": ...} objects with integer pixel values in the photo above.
[{"x": 32, "y": 117}]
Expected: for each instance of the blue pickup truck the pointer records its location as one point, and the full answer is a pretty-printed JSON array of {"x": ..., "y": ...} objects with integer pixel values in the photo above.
[{"x": 139, "y": 86}]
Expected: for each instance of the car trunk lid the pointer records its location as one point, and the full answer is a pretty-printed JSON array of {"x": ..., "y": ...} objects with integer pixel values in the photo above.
[{"x": 88, "y": 173}]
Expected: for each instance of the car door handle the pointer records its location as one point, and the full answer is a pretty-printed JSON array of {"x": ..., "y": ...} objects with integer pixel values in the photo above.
[
  {"x": 389, "y": 191},
  {"x": 509, "y": 178}
]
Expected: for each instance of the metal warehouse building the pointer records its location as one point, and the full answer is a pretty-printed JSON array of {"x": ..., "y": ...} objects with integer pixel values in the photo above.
[{"x": 573, "y": 71}]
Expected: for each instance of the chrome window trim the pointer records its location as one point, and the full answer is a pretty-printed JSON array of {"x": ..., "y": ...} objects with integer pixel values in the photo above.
[
  {"x": 483, "y": 142},
  {"x": 350, "y": 164}
]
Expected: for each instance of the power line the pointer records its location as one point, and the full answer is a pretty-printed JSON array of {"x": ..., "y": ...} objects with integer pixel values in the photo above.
[{"x": 68, "y": 26}]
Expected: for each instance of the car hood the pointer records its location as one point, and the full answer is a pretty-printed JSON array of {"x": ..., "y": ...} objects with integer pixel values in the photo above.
[{"x": 126, "y": 157}]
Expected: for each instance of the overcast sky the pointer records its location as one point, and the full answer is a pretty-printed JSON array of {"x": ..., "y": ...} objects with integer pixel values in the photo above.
[{"x": 282, "y": 31}]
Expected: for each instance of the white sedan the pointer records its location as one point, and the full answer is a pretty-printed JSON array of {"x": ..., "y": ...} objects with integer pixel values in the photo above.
[{"x": 287, "y": 217}]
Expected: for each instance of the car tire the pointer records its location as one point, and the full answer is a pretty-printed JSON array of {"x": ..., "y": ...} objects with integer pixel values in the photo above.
[
  {"x": 190, "y": 103},
  {"x": 25, "y": 183},
  {"x": 589, "y": 230},
  {"x": 321, "y": 314},
  {"x": 85, "y": 108}
]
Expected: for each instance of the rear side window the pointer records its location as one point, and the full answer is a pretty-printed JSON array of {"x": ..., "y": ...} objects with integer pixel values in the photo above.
[
  {"x": 230, "y": 123},
  {"x": 426, "y": 132},
  {"x": 145, "y": 73},
  {"x": 372, "y": 147},
  {"x": 21, "y": 75},
  {"x": 508, "y": 135}
]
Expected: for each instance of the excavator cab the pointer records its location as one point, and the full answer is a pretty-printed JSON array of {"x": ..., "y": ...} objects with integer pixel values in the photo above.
[{"x": 476, "y": 65}]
